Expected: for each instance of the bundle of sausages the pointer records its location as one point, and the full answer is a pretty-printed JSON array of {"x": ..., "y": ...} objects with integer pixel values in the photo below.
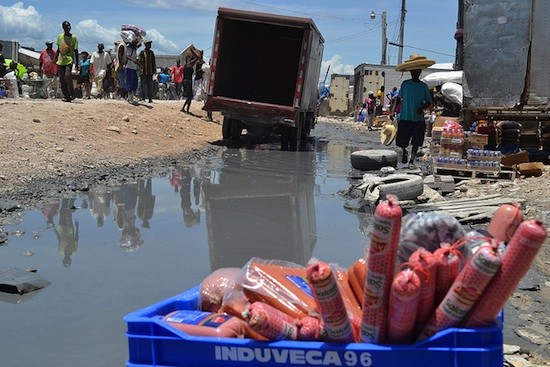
[{"x": 379, "y": 298}]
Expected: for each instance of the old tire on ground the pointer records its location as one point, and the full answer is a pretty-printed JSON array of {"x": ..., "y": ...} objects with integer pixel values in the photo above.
[
  {"x": 404, "y": 186},
  {"x": 373, "y": 159}
]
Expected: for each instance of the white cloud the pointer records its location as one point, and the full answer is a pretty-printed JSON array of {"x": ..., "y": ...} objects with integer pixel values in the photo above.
[
  {"x": 177, "y": 4},
  {"x": 90, "y": 33},
  {"x": 336, "y": 67},
  {"x": 161, "y": 45},
  {"x": 20, "y": 23}
]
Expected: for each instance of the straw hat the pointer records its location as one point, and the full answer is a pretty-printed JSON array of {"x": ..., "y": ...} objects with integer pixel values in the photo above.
[
  {"x": 414, "y": 62},
  {"x": 388, "y": 132}
]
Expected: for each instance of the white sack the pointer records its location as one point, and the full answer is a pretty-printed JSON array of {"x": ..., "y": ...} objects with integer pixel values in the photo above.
[
  {"x": 442, "y": 77},
  {"x": 452, "y": 92}
]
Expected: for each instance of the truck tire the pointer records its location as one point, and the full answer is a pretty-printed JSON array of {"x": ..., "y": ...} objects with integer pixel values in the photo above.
[
  {"x": 295, "y": 138},
  {"x": 404, "y": 186},
  {"x": 373, "y": 159},
  {"x": 236, "y": 129},
  {"x": 226, "y": 128}
]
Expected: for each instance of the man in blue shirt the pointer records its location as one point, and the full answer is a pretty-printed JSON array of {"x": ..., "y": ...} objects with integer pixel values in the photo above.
[{"x": 416, "y": 97}]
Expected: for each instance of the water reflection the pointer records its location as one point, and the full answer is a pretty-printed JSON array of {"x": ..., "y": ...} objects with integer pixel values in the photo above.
[
  {"x": 66, "y": 231},
  {"x": 187, "y": 181},
  {"x": 125, "y": 200},
  {"x": 100, "y": 200},
  {"x": 261, "y": 205},
  {"x": 146, "y": 201}
]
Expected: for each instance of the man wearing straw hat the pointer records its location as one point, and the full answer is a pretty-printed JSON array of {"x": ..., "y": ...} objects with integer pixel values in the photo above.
[{"x": 416, "y": 97}]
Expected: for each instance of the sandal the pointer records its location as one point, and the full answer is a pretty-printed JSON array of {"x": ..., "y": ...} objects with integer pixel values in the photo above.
[{"x": 405, "y": 157}]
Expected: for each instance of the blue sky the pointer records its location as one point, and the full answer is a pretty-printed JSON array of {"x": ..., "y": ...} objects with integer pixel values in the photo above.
[{"x": 351, "y": 36}]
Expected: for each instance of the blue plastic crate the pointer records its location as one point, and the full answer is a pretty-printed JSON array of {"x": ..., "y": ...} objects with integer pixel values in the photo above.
[{"x": 155, "y": 343}]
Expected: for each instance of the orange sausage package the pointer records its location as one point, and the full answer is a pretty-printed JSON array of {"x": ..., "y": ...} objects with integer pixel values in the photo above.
[{"x": 281, "y": 284}]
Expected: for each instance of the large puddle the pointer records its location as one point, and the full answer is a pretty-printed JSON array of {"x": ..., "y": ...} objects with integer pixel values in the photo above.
[{"x": 114, "y": 250}]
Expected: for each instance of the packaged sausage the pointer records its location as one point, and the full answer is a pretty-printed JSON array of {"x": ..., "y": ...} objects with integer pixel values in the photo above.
[
  {"x": 356, "y": 275},
  {"x": 465, "y": 290},
  {"x": 234, "y": 303},
  {"x": 215, "y": 285},
  {"x": 447, "y": 259},
  {"x": 270, "y": 322},
  {"x": 404, "y": 297},
  {"x": 382, "y": 252},
  {"x": 423, "y": 262},
  {"x": 505, "y": 221},
  {"x": 281, "y": 284},
  {"x": 310, "y": 328},
  {"x": 329, "y": 297},
  {"x": 350, "y": 302},
  {"x": 516, "y": 261},
  {"x": 202, "y": 323}
]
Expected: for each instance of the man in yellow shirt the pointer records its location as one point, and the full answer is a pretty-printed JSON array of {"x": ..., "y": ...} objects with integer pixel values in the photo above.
[{"x": 67, "y": 55}]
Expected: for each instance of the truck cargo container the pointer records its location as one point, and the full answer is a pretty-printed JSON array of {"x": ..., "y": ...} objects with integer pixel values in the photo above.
[{"x": 265, "y": 74}]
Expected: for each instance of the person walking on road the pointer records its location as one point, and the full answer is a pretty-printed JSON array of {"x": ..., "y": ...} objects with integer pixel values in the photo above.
[
  {"x": 148, "y": 66},
  {"x": 415, "y": 98},
  {"x": 47, "y": 66},
  {"x": 188, "y": 82},
  {"x": 102, "y": 64},
  {"x": 176, "y": 72},
  {"x": 66, "y": 55},
  {"x": 131, "y": 71},
  {"x": 84, "y": 68}
]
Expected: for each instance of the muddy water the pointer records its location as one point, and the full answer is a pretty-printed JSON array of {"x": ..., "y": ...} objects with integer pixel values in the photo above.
[{"x": 114, "y": 250}]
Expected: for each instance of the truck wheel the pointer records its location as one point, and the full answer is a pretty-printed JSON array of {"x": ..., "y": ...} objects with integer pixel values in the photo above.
[
  {"x": 405, "y": 187},
  {"x": 285, "y": 137},
  {"x": 295, "y": 138},
  {"x": 373, "y": 159},
  {"x": 226, "y": 128},
  {"x": 236, "y": 129}
]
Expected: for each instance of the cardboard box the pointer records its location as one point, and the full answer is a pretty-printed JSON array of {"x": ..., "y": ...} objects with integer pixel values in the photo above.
[
  {"x": 529, "y": 169},
  {"x": 511, "y": 159}
]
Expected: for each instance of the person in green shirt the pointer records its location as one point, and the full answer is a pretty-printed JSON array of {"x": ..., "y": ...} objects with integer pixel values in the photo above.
[{"x": 67, "y": 55}]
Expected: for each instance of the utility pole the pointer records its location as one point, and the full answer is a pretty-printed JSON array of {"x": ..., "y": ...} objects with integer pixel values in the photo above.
[
  {"x": 459, "y": 56},
  {"x": 384, "y": 38},
  {"x": 401, "y": 33}
]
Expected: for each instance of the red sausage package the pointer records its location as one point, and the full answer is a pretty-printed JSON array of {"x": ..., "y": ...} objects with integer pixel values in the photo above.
[
  {"x": 270, "y": 322},
  {"x": 281, "y": 284},
  {"x": 380, "y": 269},
  {"x": 404, "y": 297},
  {"x": 329, "y": 297},
  {"x": 465, "y": 290},
  {"x": 516, "y": 261}
]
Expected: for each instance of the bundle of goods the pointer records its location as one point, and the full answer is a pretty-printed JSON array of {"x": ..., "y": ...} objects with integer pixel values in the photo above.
[
  {"x": 131, "y": 33},
  {"x": 509, "y": 133},
  {"x": 451, "y": 146},
  {"x": 421, "y": 274},
  {"x": 485, "y": 160}
]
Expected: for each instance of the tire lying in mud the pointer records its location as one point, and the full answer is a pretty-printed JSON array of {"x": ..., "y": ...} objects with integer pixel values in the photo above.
[
  {"x": 404, "y": 186},
  {"x": 373, "y": 159}
]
